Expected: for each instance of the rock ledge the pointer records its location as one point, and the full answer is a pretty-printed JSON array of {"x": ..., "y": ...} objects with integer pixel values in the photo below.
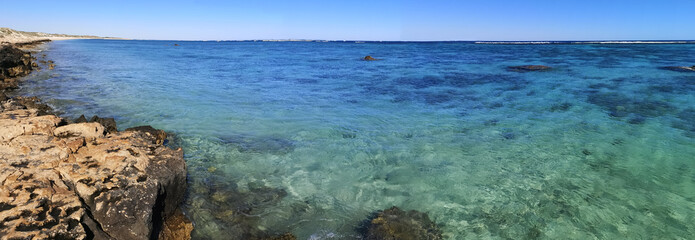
[{"x": 74, "y": 181}]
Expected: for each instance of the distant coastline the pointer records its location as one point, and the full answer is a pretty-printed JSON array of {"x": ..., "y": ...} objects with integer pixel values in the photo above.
[{"x": 10, "y": 36}]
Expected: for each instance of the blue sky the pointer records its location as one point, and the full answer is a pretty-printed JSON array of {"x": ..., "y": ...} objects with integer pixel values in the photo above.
[{"x": 360, "y": 19}]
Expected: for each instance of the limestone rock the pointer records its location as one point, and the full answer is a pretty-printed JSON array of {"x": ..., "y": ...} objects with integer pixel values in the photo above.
[
  {"x": 14, "y": 62},
  {"x": 394, "y": 223},
  {"x": 76, "y": 182},
  {"x": 158, "y": 135},
  {"x": 87, "y": 130},
  {"x": 108, "y": 123}
]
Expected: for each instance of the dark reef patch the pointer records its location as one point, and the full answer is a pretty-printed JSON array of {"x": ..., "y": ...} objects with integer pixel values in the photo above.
[
  {"x": 528, "y": 68},
  {"x": 618, "y": 105},
  {"x": 259, "y": 144},
  {"x": 239, "y": 211},
  {"x": 685, "y": 120},
  {"x": 394, "y": 223},
  {"x": 560, "y": 107}
]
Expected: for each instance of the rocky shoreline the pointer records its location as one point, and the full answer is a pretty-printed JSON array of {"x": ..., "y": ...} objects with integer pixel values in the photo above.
[{"x": 82, "y": 180}]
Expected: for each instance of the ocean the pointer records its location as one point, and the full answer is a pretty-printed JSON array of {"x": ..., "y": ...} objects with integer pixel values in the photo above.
[{"x": 305, "y": 137}]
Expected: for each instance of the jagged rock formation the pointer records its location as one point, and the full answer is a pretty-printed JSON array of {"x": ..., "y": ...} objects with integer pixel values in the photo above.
[
  {"x": 74, "y": 181},
  {"x": 396, "y": 224},
  {"x": 14, "y": 63}
]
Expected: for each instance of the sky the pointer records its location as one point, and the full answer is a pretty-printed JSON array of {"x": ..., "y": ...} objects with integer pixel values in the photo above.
[{"x": 386, "y": 20}]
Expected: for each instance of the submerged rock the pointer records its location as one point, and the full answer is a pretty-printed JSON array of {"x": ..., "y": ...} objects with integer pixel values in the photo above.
[
  {"x": 176, "y": 227},
  {"x": 76, "y": 182},
  {"x": 394, "y": 223},
  {"x": 236, "y": 210},
  {"x": 679, "y": 68},
  {"x": 286, "y": 236},
  {"x": 528, "y": 68},
  {"x": 259, "y": 144}
]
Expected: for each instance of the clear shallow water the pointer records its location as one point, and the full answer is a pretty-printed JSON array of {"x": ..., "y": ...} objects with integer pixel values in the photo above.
[{"x": 306, "y": 138}]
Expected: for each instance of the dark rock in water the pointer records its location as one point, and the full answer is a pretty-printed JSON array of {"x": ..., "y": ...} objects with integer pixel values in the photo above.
[
  {"x": 81, "y": 119},
  {"x": 108, "y": 123},
  {"x": 256, "y": 144},
  {"x": 176, "y": 227},
  {"x": 586, "y": 152},
  {"x": 560, "y": 107},
  {"x": 508, "y": 134},
  {"x": 14, "y": 63},
  {"x": 370, "y": 58},
  {"x": 679, "y": 68},
  {"x": 33, "y": 103},
  {"x": 394, "y": 223},
  {"x": 637, "y": 120},
  {"x": 286, "y": 236},
  {"x": 159, "y": 136},
  {"x": 619, "y": 112},
  {"x": 238, "y": 210},
  {"x": 528, "y": 68}
]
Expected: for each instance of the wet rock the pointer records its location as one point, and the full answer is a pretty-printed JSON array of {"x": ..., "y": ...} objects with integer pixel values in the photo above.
[
  {"x": 108, "y": 123},
  {"x": 394, "y": 223},
  {"x": 33, "y": 103},
  {"x": 14, "y": 63},
  {"x": 286, "y": 236},
  {"x": 74, "y": 182},
  {"x": 81, "y": 119},
  {"x": 369, "y": 58},
  {"x": 679, "y": 68},
  {"x": 176, "y": 227},
  {"x": 158, "y": 135},
  {"x": 528, "y": 68},
  {"x": 236, "y": 209}
]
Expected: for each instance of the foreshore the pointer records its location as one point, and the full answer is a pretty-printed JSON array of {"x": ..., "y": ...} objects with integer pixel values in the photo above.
[
  {"x": 64, "y": 179},
  {"x": 84, "y": 179}
]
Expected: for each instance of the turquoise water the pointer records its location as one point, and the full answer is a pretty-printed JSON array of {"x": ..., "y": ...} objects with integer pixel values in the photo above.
[{"x": 304, "y": 137}]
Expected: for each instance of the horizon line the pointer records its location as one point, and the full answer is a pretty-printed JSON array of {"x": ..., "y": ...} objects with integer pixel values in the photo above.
[{"x": 643, "y": 41}]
